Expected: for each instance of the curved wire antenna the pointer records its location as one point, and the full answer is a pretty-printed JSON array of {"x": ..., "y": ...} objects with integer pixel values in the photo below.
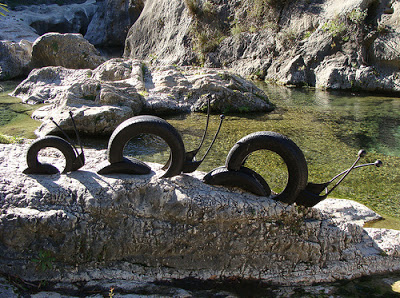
[
  {"x": 206, "y": 128},
  {"x": 76, "y": 131},
  {"x": 68, "y": 138},
  {"x": 191, "y": 164},
  {"x": 191, "y": 155},
  {"x": 361, "y": 154},
  {"x": 222, "y": 117}
]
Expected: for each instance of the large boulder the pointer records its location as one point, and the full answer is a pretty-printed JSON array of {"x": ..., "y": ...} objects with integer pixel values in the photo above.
[
  {"x": 83, "y": 227},
  {"x": 69, "y": 50},
  {"x": 112, "y": 20},
  {"x": 14, "y": 59},
  {"x": 161, "y": 31},
  {"x": 121, "y": 88},
  {"x": 29, "y": 22}
]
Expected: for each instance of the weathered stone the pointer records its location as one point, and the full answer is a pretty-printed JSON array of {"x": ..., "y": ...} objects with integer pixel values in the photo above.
[
  {"x": 144, "y": 228},
  {"x": 299, "y": 44},
  {"x": 67, "y": 50},
  {"x": 29, "y": 22},
  {"x": 345, "y": 211},
  {"x": 14, "y": 59},
  {"x": 122, "y": 88},
  {"x": 385, "y": 50},
  {"x": 112, "y": 20},
  {"x": 161, "y": 31}
]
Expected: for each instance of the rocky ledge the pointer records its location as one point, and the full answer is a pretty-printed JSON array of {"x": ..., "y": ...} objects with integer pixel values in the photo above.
[
  {"x": 118, "y": 89},
  {"x": 83, "y": 227}
]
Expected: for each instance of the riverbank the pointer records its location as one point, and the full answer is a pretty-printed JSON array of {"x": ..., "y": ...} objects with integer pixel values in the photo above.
[
  {"x": 379, "y": 285},
  {"x": 329, "y": 127},
  {"x": 79, "y": 244}
]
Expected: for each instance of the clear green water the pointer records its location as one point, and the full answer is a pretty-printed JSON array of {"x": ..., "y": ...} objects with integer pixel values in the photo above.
[
  {"x": 329, "y": 128},
  {"x": 15, "y": 117}
]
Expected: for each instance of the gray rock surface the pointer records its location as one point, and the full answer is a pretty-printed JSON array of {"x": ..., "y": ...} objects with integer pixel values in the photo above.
[
  {"x": 121, "y": 88},
  {"x": 15, "y": 59},
  {"x": 161, "y": 32},
  {"x": 86, "y": 227},
  {"x": 327, "y": 44},
  {"x": 23, "y": 26},
  {"x": 69, "y": 50},
  {"x": 29, "y": 22},
  {"x": 112, "y": 20},
  {"x": 343, "y": 211}
]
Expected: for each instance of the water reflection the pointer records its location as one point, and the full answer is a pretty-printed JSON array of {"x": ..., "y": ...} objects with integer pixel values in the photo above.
[{"x": 371, "y": 122}]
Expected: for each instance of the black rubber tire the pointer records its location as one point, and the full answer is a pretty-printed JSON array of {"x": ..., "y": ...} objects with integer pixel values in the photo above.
[
  {"x": 35, "y": 167},
  {"x": 285, "y": 148},
  {"x": 148, "y": 125},
  {"x": 245, "y": 179}
]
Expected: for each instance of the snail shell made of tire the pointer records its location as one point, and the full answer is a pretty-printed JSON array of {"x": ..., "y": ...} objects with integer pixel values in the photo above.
[
  {"x": 263, "y": 140},
  {"x": 72, "y": 161},
  {"x": 134, "y": 127}
]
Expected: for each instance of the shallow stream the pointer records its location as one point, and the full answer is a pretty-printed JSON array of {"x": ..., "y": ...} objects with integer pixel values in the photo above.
[{"x": 329, "y": 127}]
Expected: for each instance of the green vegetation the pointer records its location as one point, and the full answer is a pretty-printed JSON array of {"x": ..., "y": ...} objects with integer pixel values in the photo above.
[
  {"x": 335, "y": 27},
  {"x": 357, "y": 16},
  {"x": 345, "y": 28},
  {"x": 44, "y": 260},
  {"x": 4, "y": 8},
  {"x": 15, "y": 117},
  {"x": 208, "y": 29},
  {"x": 4, "y": 139}
]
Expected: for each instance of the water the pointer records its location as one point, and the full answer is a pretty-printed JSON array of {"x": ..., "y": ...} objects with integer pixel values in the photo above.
[
  {"x": 329, "y": 127},
  {"x": 15, "y": 117}
]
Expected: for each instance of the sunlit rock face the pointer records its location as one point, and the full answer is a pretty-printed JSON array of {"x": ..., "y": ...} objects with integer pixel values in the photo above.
[
  {"x": 118, "y": 89},
  {"x": 143, "y": 228},
  {"x": 324, "y": 44}
]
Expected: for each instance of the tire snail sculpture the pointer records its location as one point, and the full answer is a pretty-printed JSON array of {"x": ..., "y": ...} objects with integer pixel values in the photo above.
[
  {"x": 73, "y": 159},
  {"x": 297, "y": 190},
  {"x": 179, "y": 160}
]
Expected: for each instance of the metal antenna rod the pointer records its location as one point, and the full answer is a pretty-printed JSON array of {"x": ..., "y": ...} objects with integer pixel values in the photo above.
[
  {"x": 377, "y": 163},
  {"x": 66, "y": 136},
  {"x": 76, "y": 132},
  {"x": 205, "y": 130},
  {"x": 361, "y": 153},
  {"x": 222, "y": 117}
]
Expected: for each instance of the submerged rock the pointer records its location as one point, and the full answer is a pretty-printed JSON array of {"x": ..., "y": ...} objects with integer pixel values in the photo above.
[
  {"x": 121, "y": 88},
  {"x": 86, "y": 227}
]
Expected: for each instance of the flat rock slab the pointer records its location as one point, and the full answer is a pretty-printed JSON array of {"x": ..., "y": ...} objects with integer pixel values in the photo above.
[{"x": 86, "y": 227}]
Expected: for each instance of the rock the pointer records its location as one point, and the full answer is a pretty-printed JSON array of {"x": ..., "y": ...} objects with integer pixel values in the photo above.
[
  {"x": 111, "y": 22},
  {"x": 14, "y": 59},
  {"x": 6, "y": 289},
  {"x": 347, "y": 211},
  {"x": 324, "y": 44},
  {"x": 334, "y": 73},
  {"x": 29, "y": 22},
  {"x": 122, "y": 88},
  {"x": 385, "y": 50},
  {"x": 381, "y": 236},
  {"x": 82, "y": 227},
  {"x": 67, "y": 50},
  {"x": 161, "y": 31}
]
